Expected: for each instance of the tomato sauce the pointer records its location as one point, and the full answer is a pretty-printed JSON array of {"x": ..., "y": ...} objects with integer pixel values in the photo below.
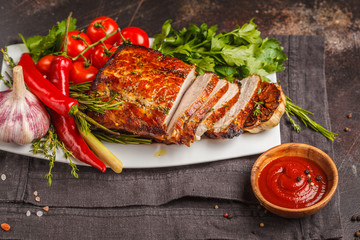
[{"x": 292, "y": 182}]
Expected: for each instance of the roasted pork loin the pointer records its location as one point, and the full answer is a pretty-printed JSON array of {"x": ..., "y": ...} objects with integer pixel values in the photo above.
[
  {"x": 151, "y": 86},
  {"x": 163, "y": 99}
]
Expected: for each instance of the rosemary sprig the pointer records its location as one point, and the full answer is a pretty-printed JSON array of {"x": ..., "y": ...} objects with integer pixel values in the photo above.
[
  {"x": 302, "y": 114},
  {"x": 122, "y": 138},
  {"x": 91, "y": 103},
  {"x": 48, "y": 146},
  {"x": 81, "y": 87}
]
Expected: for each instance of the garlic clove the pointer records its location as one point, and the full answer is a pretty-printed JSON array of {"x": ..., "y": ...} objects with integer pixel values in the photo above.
[{"x": 23, "y": 117}]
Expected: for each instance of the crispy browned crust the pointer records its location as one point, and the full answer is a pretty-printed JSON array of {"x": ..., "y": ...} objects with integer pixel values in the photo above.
[
  {"x": 197, "y": 104},
  {"x": 148, "y": 82},
  {"x": 190, "y": 127}
]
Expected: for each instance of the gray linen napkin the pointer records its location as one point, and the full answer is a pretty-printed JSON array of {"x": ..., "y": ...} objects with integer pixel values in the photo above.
[{"x": 172, "y": 203}]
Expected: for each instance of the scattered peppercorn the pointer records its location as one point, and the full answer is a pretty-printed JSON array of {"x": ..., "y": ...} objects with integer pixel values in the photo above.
[
  {"x": 5, "y": 227},
  {"x": 353, "y": 218},
  {"x": 46, "y": 208},
  {"x": 37, "y": 198},
  {"x": 347, "y": 129},
  {"x": 298, "y": 179},
  {"x": 358, "y": 218},
  {"x": 35, "y": 193},
  {"x": 261, "y": 224},
  {"x": 357, "y": 234},
  {"x": 349, "y": 115},
  {"x": 306, "y": 171},
  {"x": 309, "y": 180},
  {"x": 226, "y": 215},
  {"x": 253, "y": 232}
]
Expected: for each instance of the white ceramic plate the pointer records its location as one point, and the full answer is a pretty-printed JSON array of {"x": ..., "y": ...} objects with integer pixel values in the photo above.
[{"x": 143, "y": 156}]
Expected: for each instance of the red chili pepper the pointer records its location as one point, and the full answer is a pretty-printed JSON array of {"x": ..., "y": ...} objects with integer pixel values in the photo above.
[
  {"x": 50, "y": 95},
  {"x": 44, "y": 90},
  {"x": 66, "y": 126}
]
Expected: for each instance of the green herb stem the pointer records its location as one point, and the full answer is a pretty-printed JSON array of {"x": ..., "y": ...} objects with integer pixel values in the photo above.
[
  {"x": 302, "y": 115},
  {"x": 89, "y": 46},
  {"x": 48, "y": 146},
  {"x": 122, "y": 138}
]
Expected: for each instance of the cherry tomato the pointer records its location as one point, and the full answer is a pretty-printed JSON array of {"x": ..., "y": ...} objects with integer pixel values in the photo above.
[
  {"x": 136, "y": 36},
  {"x": 96, "y": 29},
  {"x": 99, "y": 57},
  {"x": 80, "y": 74},
  {"x": 43, "y": 65},
  {"x": 75, "y": 47}
]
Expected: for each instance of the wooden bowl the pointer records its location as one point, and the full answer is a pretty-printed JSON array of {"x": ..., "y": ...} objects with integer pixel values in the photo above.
[{"x": 299, "y": 150}]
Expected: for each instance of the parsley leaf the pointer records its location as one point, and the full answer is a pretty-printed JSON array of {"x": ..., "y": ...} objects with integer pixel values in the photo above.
[
  {"x": 235, "y": 54},
  {"x": 40, "y": 46}
]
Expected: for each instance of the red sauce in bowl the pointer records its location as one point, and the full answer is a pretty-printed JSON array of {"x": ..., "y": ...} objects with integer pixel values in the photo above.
[{"x": 285, "y": 182}]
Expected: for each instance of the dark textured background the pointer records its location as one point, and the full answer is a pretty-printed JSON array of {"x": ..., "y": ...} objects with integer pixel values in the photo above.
[{"x": 337, "y": 21}]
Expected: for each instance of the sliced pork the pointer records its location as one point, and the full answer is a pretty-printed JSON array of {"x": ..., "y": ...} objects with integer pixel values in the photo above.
[
  {"x": 151, "y": 86},
  {"x": 193, "y": 99},
  {"x": 189, "y": 132},
  {"x": 224, "y": 104},
  {"x": 231, "y": 124},
  {"x": 163, "y": 99}
]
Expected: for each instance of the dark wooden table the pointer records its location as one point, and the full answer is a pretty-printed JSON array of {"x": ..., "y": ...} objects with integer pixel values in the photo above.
[{"x": 338, "y": 21}]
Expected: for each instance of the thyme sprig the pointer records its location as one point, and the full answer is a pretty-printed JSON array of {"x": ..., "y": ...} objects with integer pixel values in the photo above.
[
  {"x": 47, "y": 146},
  {"x": 302, "y": 114},
  {"x": 8, "y": 82},
  {"x": 7, "y": 58}
]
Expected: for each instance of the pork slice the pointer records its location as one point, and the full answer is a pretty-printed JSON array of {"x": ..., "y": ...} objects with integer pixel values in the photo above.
[
  {"x": 231, "y": 124},
  {"x": 192, "y": 124},
  {"x": 225, "y": 103},
  {"x": 149, "y": 84},
  {"x": 191, "y": 101}
]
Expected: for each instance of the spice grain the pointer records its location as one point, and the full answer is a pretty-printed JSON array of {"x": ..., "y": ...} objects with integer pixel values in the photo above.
[{"x": 5, "y": 227}]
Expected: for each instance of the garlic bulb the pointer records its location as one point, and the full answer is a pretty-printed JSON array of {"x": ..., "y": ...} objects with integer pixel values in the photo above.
[
  {"x": 23, "y": 117},
  {"x": 274, "y": 107}
]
